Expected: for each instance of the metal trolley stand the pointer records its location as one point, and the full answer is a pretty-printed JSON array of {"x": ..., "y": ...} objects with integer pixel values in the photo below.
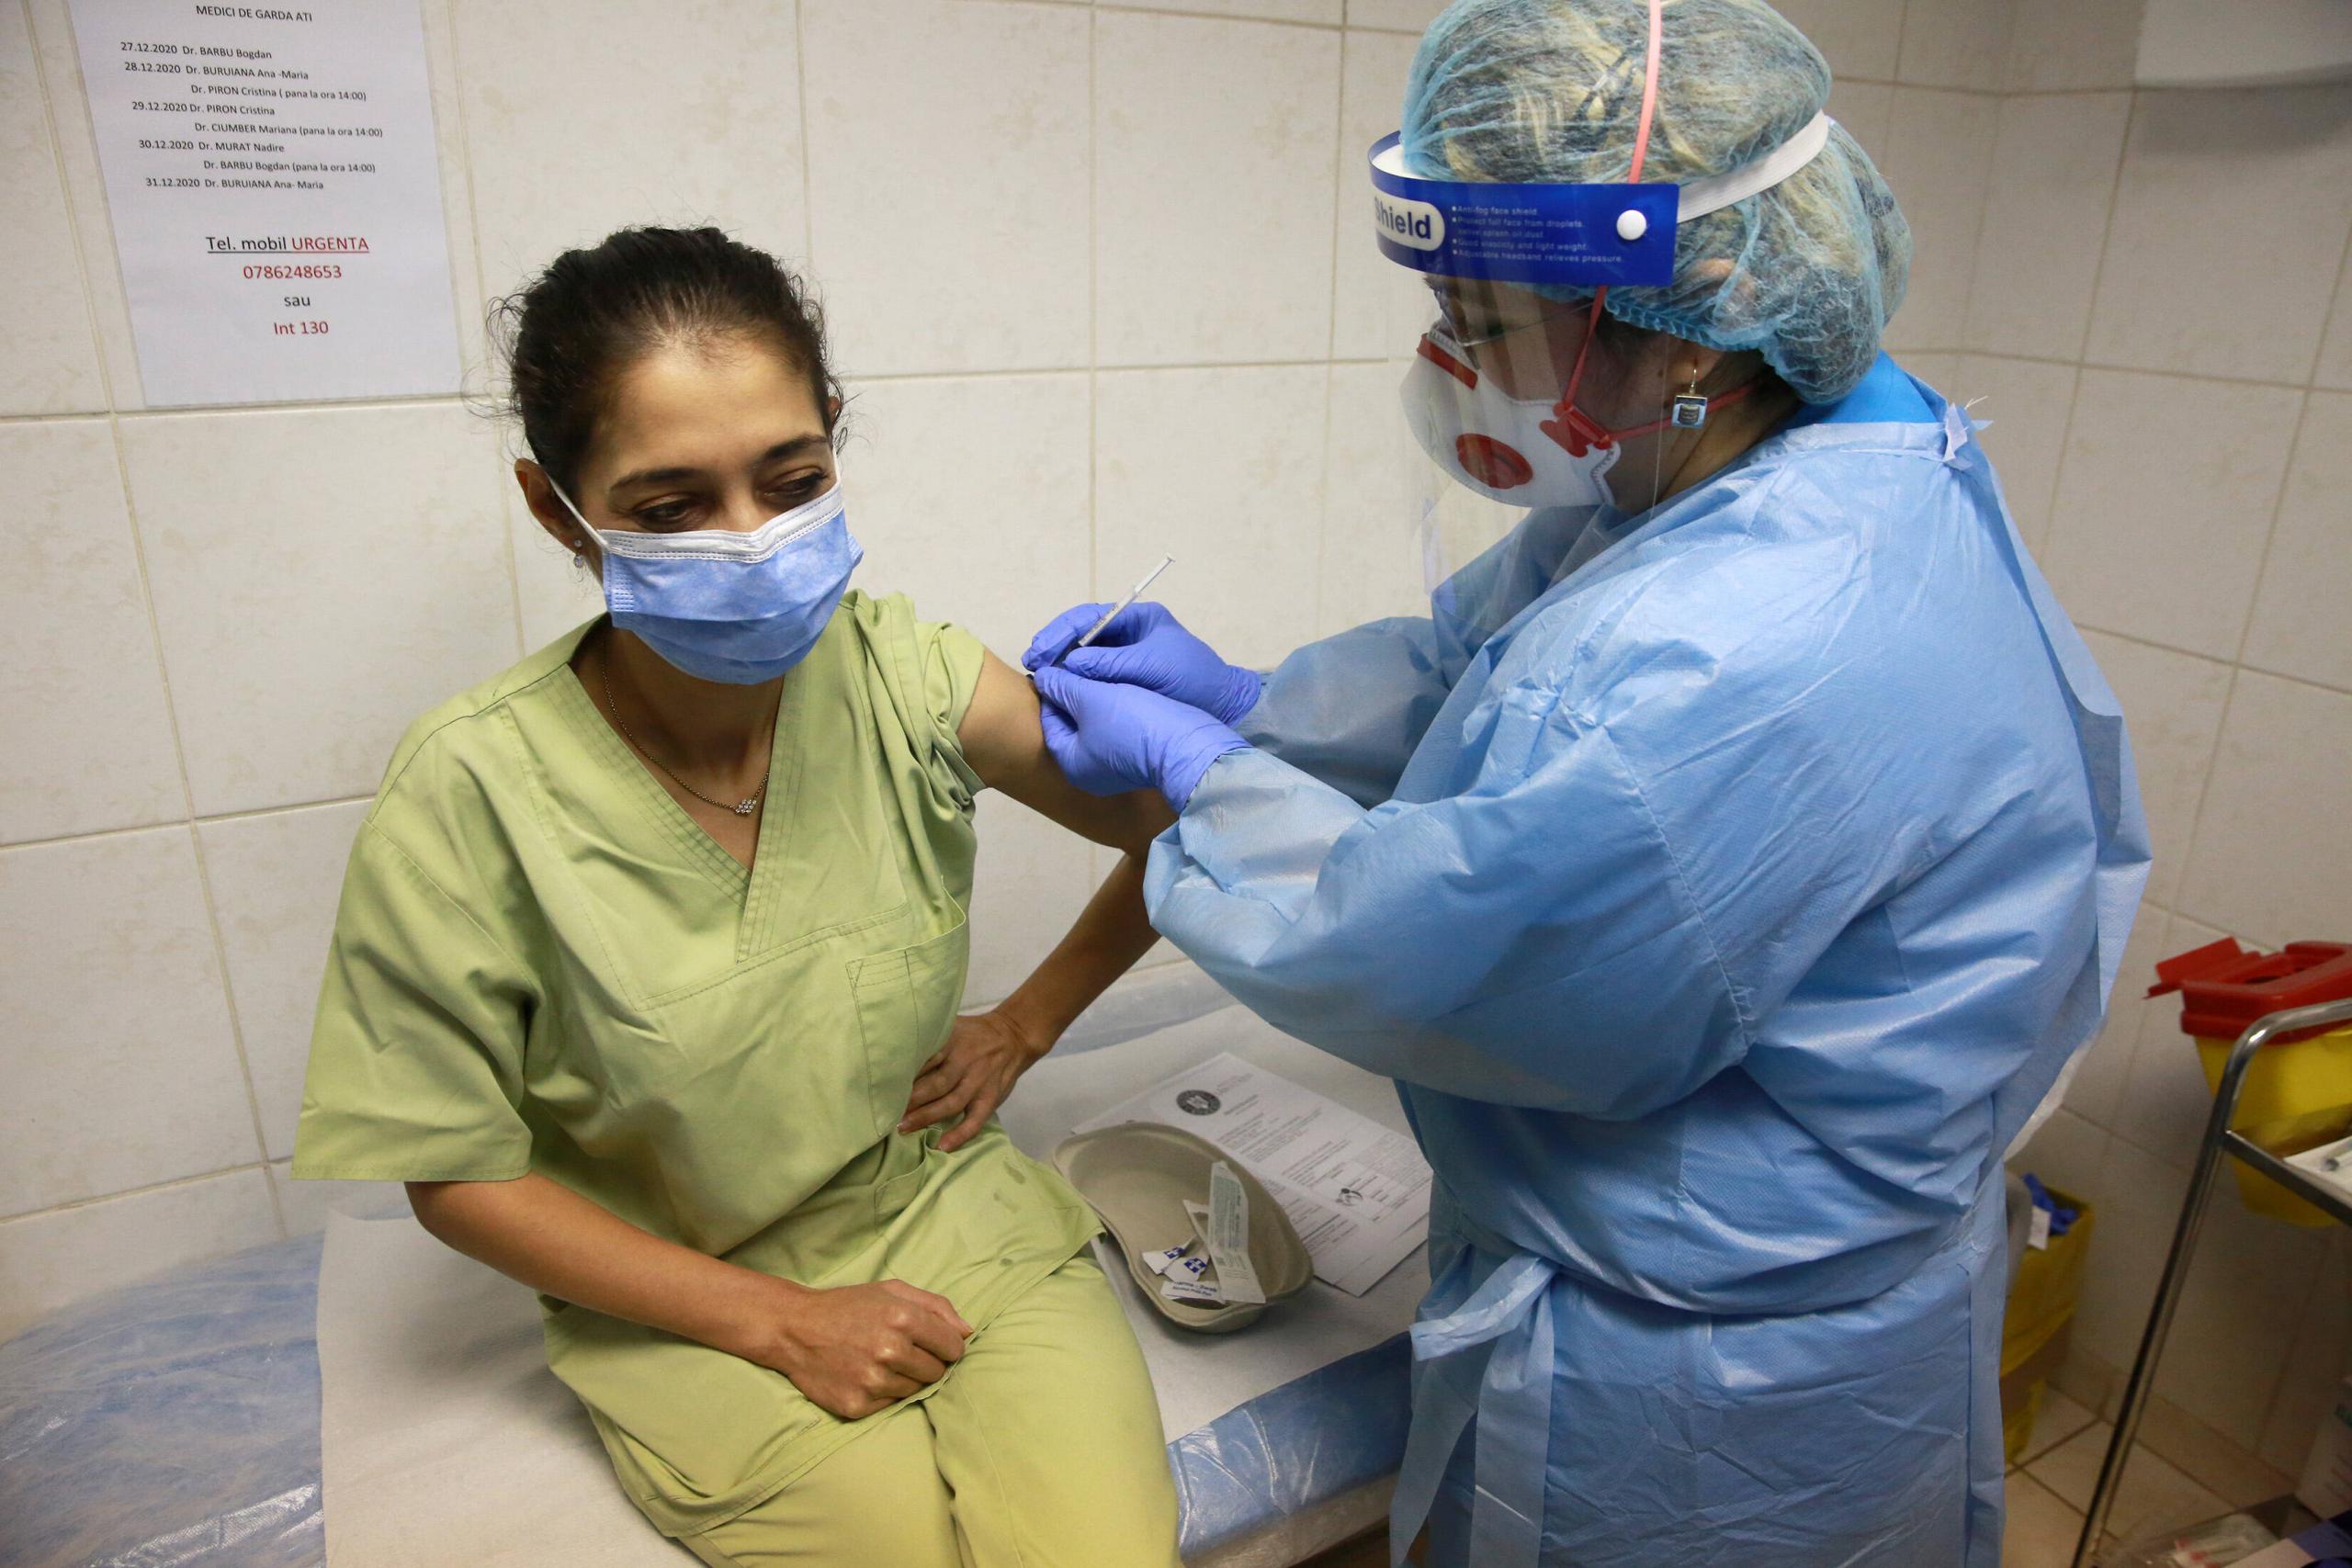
[{"x": 2219, "y": 1141}]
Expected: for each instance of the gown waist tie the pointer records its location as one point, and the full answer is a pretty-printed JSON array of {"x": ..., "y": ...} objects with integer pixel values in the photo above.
[{"x": 1512, "y": 1397}]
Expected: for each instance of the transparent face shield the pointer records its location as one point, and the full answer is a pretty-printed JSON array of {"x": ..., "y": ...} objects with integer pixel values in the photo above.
[
  {"x": 1500, "y": 455},
  {"x": 1518, "y": 399}
]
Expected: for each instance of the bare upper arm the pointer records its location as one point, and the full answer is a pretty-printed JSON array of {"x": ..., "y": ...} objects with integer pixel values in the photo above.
[{"x": 1004, "y": 740}]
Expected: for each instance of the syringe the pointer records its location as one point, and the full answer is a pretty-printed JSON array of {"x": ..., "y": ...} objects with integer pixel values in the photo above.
[{"x": 1133, "y": 595}]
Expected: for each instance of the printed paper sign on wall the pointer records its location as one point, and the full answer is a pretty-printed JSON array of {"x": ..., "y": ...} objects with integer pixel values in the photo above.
[{"x": 275, "y": 194}]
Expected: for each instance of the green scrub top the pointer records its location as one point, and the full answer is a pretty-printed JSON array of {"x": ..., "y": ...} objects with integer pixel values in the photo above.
[{"x": 542, "y": 964}]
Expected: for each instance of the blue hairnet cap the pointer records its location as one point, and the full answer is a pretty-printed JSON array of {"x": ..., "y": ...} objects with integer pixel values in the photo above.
[{"x": 1808, "y": 272}]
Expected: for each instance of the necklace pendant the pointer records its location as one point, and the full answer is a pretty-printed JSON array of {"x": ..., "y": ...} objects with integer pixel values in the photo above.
[{"x": 745, "y": 807}]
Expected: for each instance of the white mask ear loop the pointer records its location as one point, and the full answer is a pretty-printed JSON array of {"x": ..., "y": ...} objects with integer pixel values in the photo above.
[{"x": 579, "y": 551}]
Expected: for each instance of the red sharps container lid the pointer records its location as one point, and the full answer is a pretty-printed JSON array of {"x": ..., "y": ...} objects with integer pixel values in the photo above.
[{"x": 2225, "y": 987}]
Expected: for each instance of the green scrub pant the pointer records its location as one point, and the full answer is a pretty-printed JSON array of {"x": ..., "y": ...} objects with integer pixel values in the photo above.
[{"x": 1042, "y": 1449}]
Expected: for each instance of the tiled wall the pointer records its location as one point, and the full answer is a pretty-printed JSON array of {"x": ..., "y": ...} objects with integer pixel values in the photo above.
[
  {"x": 217, "y": 623},
  {"x": 2174, "y": 431}
]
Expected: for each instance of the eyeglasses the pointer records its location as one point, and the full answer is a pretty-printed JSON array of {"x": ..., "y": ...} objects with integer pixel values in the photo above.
[{"x": 1449, "y": 315}]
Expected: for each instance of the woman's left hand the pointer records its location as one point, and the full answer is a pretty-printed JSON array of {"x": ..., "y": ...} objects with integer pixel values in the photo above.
[{"x": 970, "y": 1076}]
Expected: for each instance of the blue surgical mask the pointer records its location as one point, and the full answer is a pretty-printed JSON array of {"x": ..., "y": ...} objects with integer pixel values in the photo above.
[{"x": 740, "y": 608}]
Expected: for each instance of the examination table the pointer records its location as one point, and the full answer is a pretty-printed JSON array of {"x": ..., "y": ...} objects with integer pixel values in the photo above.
[{"x": 176, "y": 1423}]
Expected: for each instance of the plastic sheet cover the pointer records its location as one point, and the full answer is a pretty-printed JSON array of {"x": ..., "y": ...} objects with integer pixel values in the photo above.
[
  {"x": 175, "y": 1425},
  {"x": 171, "y": 1424}
]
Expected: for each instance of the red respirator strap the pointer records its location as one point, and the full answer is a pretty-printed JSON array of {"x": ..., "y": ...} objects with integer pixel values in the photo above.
[
  {"x": 1575, "y": 430},
  {"x": 1572, "y": 426}
]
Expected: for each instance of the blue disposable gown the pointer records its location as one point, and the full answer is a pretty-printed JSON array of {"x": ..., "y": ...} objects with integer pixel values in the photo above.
[{"x": 1724, "y": 886}]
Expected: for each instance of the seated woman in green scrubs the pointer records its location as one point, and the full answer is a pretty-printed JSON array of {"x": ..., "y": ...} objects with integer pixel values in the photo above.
[{"x": 645, "y": 974}]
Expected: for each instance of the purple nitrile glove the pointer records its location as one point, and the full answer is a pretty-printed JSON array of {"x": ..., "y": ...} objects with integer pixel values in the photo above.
[
  {"x": 1148, "y": 647},
  {"x": 1108, "y": 739}
]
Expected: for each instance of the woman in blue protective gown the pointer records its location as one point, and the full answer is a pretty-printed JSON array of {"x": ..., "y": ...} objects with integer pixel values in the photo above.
[{"x": 1725, "y": 868}]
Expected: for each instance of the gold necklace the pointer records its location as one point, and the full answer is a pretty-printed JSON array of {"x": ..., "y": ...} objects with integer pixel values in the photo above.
[{"x": 741, "y": 808}]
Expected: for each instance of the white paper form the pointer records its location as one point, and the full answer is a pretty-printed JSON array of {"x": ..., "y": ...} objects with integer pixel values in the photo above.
[
  {"x": 276, "y": 191},
  {"x": 1357, "y": 1192}
]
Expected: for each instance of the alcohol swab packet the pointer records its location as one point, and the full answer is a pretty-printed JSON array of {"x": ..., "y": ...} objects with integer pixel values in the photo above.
[{"x": 1160, "y": 1261}]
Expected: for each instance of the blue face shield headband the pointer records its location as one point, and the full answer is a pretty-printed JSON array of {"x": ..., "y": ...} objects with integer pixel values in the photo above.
[
  {"x": 736, "y": 608},
  {"x": 1567, "y": 236}
]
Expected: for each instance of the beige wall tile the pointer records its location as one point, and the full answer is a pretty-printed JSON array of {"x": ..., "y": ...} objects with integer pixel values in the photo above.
[
  {"x": 2335, "y": 353},
  {"x": 973, "y": 497},
  {"x": 2274, "y": 844},
  {"x": 1327, "y": 12},
  {"x": 2095, "y": 1382},
  {"x": 2138, "y": 1201},
  {"x": 1248, "y": 443},
  {"x": 2097, "y": 1091},
  {"x": 1859, "y": 38},
  {"x": 1867, "y": 112},
  {"x": 2197, "y": 165},
  {"x": 2067, "y": 1153},
  {"x": 1403, "y": 16},
  {"x": 2316, "y": 1363},
  {"x": 973, "y": 139},
  {"x": 52, "y": 1260},
  {"x": 2172, "y": 705},
  {"x": 2239, "y": 1311},
  {"x": 1371, "y": 568},
  {"x": 385, "y": 589},
  {"x": 2165, "y": 504},
  {"x": 2301, "y": 625},
  {"x": 2195, "y": 1448},
  {"x": 1942, "y": 371},
  {"x": 1939, "y": 150},
  {"x": 588, "y": 116},
  {"x": 2054, "y": 163},
  {"x": 2165, "y": 1101},
  {"x": 276, "y": 880},
  {"x": 1954, "y": 43},
  {"x": 2062, "y": 44},
  {"x": 52, "y": 362},
  {"x": 88, "y": 736},
  {"x": 1215, "y": 142},
  {"x": 1381, "y": 308},
  {"x": 1033, "y": 876},
  {"x": 2027, "y": 403},
  {"x": 121, "y": 1070}
]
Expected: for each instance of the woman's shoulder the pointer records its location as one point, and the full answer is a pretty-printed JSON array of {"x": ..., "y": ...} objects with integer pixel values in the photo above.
[
  {"x": 921, "y": 674},
  {"x": 906, "y": 650},
  {"x": 464, "y": 737},
  {"x": 891, "y": 621}
]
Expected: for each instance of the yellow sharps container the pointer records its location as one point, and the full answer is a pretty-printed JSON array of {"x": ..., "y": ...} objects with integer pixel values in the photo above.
[{"x": 2298, "y": 1091}]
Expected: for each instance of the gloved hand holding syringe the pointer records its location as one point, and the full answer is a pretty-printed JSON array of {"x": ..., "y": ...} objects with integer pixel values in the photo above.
[
  {"x": 1137, "y": 644},
  {"x": 1133, "y": 593},
  {"x": 1155, "y": 703},
  {"x": 1045, "y": 651}
]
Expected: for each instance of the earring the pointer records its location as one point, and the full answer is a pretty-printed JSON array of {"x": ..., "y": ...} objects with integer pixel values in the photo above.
[
  {"x": 1689, "y": 410},
  {"x": 580, "y": 560}
]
